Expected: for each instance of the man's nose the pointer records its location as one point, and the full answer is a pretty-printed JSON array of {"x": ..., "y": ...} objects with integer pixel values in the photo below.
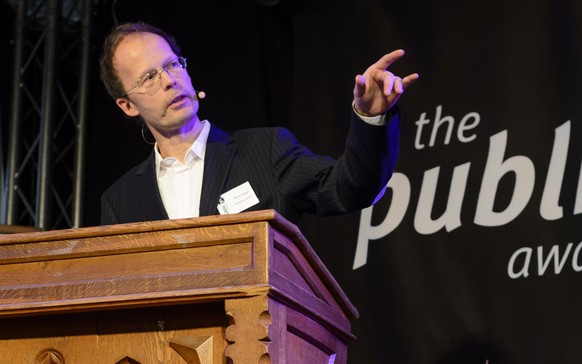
[{"x": 167, "y": 79}]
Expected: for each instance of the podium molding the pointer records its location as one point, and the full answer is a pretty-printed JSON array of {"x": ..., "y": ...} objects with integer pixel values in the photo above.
[{"x": 243, "y": 288}]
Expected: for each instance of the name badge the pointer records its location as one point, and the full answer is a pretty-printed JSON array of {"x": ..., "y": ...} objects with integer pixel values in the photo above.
[{"x": 238, "y": 199}]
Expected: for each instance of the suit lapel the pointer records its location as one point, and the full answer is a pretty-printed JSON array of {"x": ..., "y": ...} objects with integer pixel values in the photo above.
[
  {"x": 151, "y": 204},
  {"x": 220, "y": 151}
]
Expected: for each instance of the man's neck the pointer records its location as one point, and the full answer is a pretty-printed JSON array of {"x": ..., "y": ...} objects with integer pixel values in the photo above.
[{"x": 178, "y": 144}]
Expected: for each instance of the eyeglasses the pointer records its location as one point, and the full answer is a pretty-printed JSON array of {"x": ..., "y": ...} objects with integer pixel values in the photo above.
[{"x": 148, "y": 81}]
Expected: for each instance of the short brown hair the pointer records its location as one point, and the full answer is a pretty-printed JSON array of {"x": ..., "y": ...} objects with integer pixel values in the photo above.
[{"x": 109, "y": 75}]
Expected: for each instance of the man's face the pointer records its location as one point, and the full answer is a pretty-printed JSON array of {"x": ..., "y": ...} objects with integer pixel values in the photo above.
[{"x": 168, "y": 105}]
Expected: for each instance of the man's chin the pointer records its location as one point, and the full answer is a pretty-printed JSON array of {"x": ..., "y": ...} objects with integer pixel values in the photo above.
[{"x": 183, "y": 122}]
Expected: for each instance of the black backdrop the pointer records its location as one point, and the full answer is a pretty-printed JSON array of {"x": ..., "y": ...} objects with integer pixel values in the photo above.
[{"x": 479, "y": 259}]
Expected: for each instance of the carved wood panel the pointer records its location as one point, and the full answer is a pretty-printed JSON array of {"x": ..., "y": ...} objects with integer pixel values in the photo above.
[
  {"x": 179, "y": 335},
  {"x": 248, "y": 331}
]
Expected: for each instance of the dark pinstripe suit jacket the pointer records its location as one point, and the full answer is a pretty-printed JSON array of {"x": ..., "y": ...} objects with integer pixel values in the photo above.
[{"x": 285, "y": 175}]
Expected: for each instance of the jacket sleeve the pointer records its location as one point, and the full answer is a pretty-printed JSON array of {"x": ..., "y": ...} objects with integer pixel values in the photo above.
[{"x": 324, "y": 186}]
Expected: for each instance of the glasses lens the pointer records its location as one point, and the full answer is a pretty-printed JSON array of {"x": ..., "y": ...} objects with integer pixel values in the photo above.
[
  {"x": 174, "y": 67},
  {"x": 147, "y": 79}
]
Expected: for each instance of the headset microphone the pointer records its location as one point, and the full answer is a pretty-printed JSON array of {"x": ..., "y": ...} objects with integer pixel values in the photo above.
[{"x": 201, "y": 95}]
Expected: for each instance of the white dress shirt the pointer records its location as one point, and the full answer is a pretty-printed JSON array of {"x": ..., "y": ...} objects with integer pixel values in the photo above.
[{"x": 180, "y": 184}]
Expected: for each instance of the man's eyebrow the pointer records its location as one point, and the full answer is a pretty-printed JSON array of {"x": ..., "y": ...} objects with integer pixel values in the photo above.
[{"x": 164, "y": 64}]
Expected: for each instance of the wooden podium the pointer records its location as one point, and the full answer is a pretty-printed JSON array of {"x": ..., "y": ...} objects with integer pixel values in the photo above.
[{"x": 244, "y": 288}]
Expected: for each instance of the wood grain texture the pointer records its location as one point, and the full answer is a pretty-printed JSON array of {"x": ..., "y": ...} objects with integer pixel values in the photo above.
[
  {"x": 247, "y": 288},
  {"x": 15, "y": 229},
  {"x": 248, "y": 332},
  {"x": 194, "y": 349}
]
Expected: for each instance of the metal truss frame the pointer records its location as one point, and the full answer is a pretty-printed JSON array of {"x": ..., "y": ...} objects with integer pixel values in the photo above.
[{"x": 43, "y": 185}]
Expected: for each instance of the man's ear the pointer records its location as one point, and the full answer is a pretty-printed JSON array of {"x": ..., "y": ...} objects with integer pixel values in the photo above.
[{"x": 127, "y": 106}]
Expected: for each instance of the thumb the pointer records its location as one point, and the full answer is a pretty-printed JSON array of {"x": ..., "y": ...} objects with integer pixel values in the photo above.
[{"x": 360, "y": 86}]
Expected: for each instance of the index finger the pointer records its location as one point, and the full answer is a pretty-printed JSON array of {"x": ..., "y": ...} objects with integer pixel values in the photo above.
[{"x": 388, "y": 59}]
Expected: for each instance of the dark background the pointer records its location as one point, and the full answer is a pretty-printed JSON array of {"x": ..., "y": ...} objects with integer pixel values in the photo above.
[{"x": 443, "y": 297}]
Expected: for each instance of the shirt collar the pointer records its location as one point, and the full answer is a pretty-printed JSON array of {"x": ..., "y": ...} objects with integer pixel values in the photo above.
[{"x": 197, "y": 151}]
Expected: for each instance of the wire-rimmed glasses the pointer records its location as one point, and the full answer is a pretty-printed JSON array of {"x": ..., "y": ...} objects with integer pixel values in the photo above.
[{"x": 148, "y": 81}]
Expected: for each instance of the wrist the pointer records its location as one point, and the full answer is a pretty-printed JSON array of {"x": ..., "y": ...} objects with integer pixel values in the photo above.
[
  {"x": 360, "y": 112},
  {"x": 370, "y": 119}
]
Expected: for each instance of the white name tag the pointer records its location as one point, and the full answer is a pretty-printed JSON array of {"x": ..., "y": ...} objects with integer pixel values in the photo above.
[{"x": 238, "y": 199}]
